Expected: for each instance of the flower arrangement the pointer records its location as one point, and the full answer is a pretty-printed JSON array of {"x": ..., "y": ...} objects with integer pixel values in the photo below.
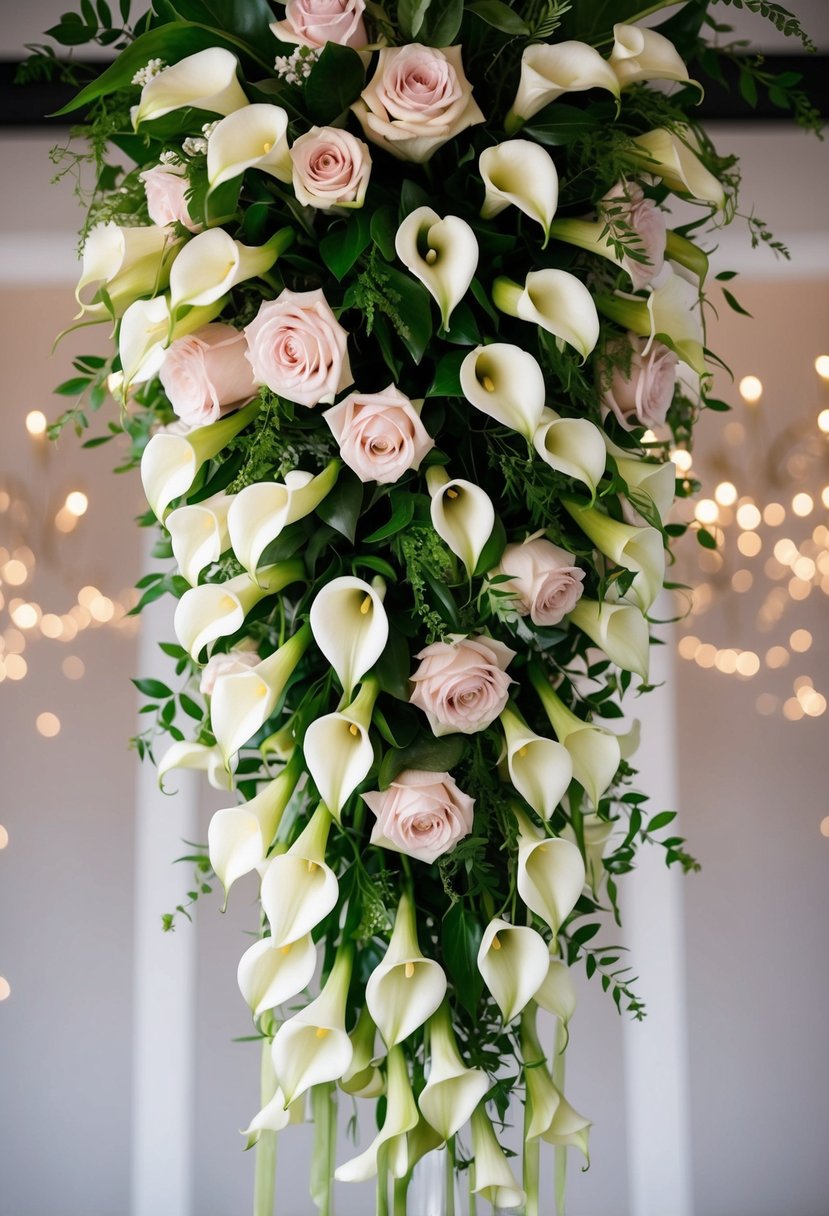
[{"x": 403, "y": 339}]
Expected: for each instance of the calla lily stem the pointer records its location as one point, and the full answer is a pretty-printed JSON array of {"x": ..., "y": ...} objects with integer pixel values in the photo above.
[
  {"x": 264, "y": 1188},
  {"x": 561, "y": 1149},
  {"x": 450, "y": 1177}
]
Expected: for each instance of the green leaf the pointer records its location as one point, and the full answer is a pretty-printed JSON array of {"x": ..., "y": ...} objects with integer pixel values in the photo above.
[
  {"x": 399, "y": 726},
  {"x": 492, "y": 550},
  {"x": 384, "y": 231},
  {"x": 414, "y": 320},
  {"x": 584, "y": 934},
  {"x": 442, "y": 22},
  {"x": 342, "y": 247},
  {"x": 661, "y": 820},
  {"x": 336, "y": 81},
  {"x": 461, "y": 935},
  {"x": 734, "y": 303},
  {"x": 410, "y": 15},
  {"x": 427, "y": 754},
  {"x": 190, "y": 707},
  {"x": 706, "y": 539},
  {"x": 594, "y": 22},
  {"x": 247, "y": 19},
  {"x": 153, "y": 688},
  {"x": 392, "y": 669},
  {"x": 560, "y": 124},
  {"x": 447, "y": 607},
  {"x": 447, "y": 380},
  {"x": 74, "y": 387},
  {"x": 500, "y": 16},
  {"x": 341, "y": 509},
  {"x": 403, "y": 508}
]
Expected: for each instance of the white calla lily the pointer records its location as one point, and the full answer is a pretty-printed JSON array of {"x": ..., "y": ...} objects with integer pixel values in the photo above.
[
  {"x": 127, "y": 262},
  {"x": 595, "y": 833},
  {"x": 217, "y": 610},
  {"x": 620, "y": 630},
  {"x": 205, "y": 81},
  {"x": 147, "y": 329},
  {"x": 338, "y": 750},
  {"x": 643, "y": 54},
  {"x": 557, "y": 995},
  {"x": 521, "y": 174},
  {"x": 312, "y": 1047},
  {"x": 550, "y": 874},
  {"x": 274, "y": 1116},
  {"x": 199, "y": 535},
  {"x": 212, "y": 262},
  {"x": 494, "y": 1179},
  {"x": 196, "y": 756},
  {"x": 254, "y": 137},
  {"x": 239, "y": 837},
  {"x": 442, "y": 253},
  {"x": 669, "y": 156},
  {"x": 640, "y": 550},
  {"x": 595, "y": 237},
  {"x": 513, "y": 961},
  {"x": 550, "y": 69},
  {"x": 406, "y": 988},
  {"x": 569, "y": 1129},
  {"x": 298, "y": 888},
  {"x": 243, "y": 701},
  {"x": 646, "y": 479},
  {"x": 452, "y": 1090},
  {"x": 350, "y": 627},
  {"x": 506, "y": 383},
  {"x": 540, "y": 769},
  {"x": 269, "y": 975},
  {"x": 671, "y": 313},
  {"x": 363, "y": 1079},
  {"x": 556, "y": 301},
  {"x": 572, "y": 446},
  {"x": 595, "y": 752},
  {"x": 462, "y": 515},
  {"x": 169, "y": 463},
  {"x": 261, "y": 511},
  {"x": 542, "y": 1095},
  {"x": 401, "y": 1118}
]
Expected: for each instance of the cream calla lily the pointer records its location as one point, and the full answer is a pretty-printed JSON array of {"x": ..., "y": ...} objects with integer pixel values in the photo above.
[
  {"x": 442, "y": 253},
  {"x": 147, "y": 329},
  {"x": 550, "y": 874},
  {"x": 269, "y": 975},
  {"x": 196, "y": 756},
  {"x": 646, "y": 479},
  {"x": 669, "y": 156},
  {"x": 363, "y": 1078},
  {"x": 406, "y": 988},
  {"x": 595, "y": 752},
  {"x": 350, "y": 627},
  {"x": 261, "y": 511},
  {"x": 275, "y": 1116},
  {"x": 521, "y": 174},
  {"x": 298, "y": 888},
  {"x": 572, "y": 446},
  {"x": 540, "y": 769},
  {"x": 506, "y": 383},
  {"x": 640, "y": 550},
  {"x": 594, "y": 236},
  {"x": 217, "y": 610},
  {"x": 126, "y": 262},
  {"x": 513, "y": 961},
  {"x": 595, "y": 833},
  {"x": 255, "y": 137},
  {"x": 239, "y": 837},
  {"x": 494, "y": 1179},
  {"x": 169, "y": 463},
  {"x": 205, "y": 81},
  {"x": 569, "y": 1129},
  {"x": 542, "y": 1095},
  {"x": 556, "y": 301},
  {"x": 452, "y": 1091},
  {"x": 671, "y": 313},
  {"x": 643, "y": 54},
  {"x": 312, "y": 1047},
  {"x": 199, "y": 535},
  {"x": 401, "y": 1118},
  {"x": 212, "y": 262},
  {"x": 557, "y": 995},
  {"x": 620, "y": 630},
  {"x": 462, "y": 515},
  {"x": 338, "y": 750},
  {"x": 550, "y": 69}
]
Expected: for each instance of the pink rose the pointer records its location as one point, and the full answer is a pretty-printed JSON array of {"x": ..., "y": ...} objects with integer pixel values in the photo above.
[
  {"x": 462, "y": 685},
  {"x": 380, "y": 434},
  {"x": 642, "y": 394},
  {"x": 417, "y": 100},
  {"x": 206, "y": 373},
  {"x": 315, "y": 22},
  {"x": 298, "y": 349},
  {"x": 166, "y": 189},
  {"x": 544, "y": 581},
  {"x": 423, "y": 815},
  {"x": 230, "y": 664},
  {"x": 626, "y": 206},
  {"x": 331, "y": 168}
]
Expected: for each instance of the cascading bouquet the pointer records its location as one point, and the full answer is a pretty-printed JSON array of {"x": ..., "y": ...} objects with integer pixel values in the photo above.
[{"x": 403, "y": 340}]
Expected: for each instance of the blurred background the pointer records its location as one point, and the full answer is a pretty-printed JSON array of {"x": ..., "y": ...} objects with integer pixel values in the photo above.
[{"x": 121, "y": 1087}]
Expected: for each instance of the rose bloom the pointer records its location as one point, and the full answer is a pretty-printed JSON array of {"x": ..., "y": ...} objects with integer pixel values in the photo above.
[
  {"x": 206, "y": 373},
  {"x": 298, "y": 349},
  {"x": 462, "y": 685},
  {"x": 421, "y": 814},
  {"x": 166, "y": 188},
  {"x": 417, "y": 100},
  {"x": 643, "y": 396},
  {"x": 626, "y": 204},
  {"x": 544, "y": 581},
  {"x": 331, "y": 168},
  {"x": 315, "y": 22},
  {"x": 380, "y": 434},
  {"x": 230, "y": 664}
]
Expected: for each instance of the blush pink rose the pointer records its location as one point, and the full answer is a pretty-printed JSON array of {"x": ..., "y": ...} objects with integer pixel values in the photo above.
[
  {"x": 315, "y": 22},
  {"x": 230, "y": 664},
  {"x": 544, "y": 581},
  {"x": 380, "y": 434},
  {"x": 331, "y": 168},
  {"x": 417, "y": 100},
  {"x": 421, "y": 814},
  {"x": 206, "y": 373},
  {"x": 166, "y": 189},
  {"x": 462, "y": 685},
  {"x": 642, "y": 395},
  {"x": 626, "y": 205},
  {"x": 298, "y": 349}
]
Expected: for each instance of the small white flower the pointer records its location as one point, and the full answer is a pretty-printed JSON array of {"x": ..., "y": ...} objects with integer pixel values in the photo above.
[{"x": 144, "y": 75}]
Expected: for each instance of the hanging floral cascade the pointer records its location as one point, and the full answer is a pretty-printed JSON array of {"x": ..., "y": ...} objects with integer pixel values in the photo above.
[{"x": 405, "y": 329}]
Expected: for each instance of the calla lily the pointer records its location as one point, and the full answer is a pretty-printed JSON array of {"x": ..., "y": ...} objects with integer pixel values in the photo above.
[
  {"x": 642, "y": 54},
  {"x": 401, "y": 1118},
  {"x": 548, "y": 70},
  {"x": 462, "y": 515},
  {"x": 620, "y": 630},
  {"x": 542, "y": 1095},
  {"x": 338, "y": 750},
  {"x": 169, "y": 463},
  {"x": 568, "y": 1128},
  {"x": 261, "y": 511},
  {"x": 255, "y": 137},
  {"x": 513, "y": 960},
  {"x": 572, "y": 446},
  {"x": 540, "y": 769},
  {"x": 269, "y": 975},
  {"x": 363, "y": 1078},
  {"x": 298, "y": 888},
  {"x": 196, "y": 756},
  {"x": 406, "y": 988},
  {"x": 671, "y": 313},
  {"x": 217, "y": 610},
  {"x": 550, "y": 874},
  {"x": 312, "y": 1047},
  {"x": 243, "y": 701},
  {"x": 494, "y": 1179},
  {"x": 441, "y": 253},
  {"x": 556, "y": 301},
  {"x": 199, "y": 535},
  {"x": 592, "y": 235},
  {"x": 640, "y": 550},
  {"x": 350, "y": 627},
  {"x": 145, "y": 332},
  {"x": 670, "y": 157},
  {"x": 647, "y": 479},
  {"x": 520, "y": 173},
  {"x": 506, "y": 383},
  {"x": 557, "y": 995},
  {"x": 274, "y": 1117},
  {"x": 595, "y": 752},
  {"x": 205, "y": 81},
  {"x": 127, "y": 262},
  {"x": 212, "y": 262},
  {"x": 685, "y": 253},
  {"x": 239, "y": 837},
  {"x": 452, "y": 1091},
  {"x": 595, "y": 833}
]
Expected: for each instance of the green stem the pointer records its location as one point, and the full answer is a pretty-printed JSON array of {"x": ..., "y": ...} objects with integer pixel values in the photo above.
[
  {"x": 382, "y": 1205},
  {"x": 264, "y": 1187},
  {"x": 532, "y": 1168},
  {"x": 561, "y": 1149},
  {"x": 450, "y": 1177},
  {"x": 401, "y": 1190},
  {"x": 473, "y": 1198}
]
